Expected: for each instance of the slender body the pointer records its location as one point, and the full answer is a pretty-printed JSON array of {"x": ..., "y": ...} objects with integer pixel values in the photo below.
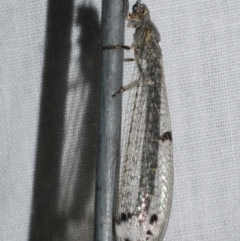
[{"x": 143, "y": 193}]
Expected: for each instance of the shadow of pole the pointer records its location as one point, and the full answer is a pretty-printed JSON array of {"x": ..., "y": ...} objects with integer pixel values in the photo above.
[
  {"x": 45, "y": 221},
  {"x": 80, "y": 146},
  {"x": 89, "y": 64}
]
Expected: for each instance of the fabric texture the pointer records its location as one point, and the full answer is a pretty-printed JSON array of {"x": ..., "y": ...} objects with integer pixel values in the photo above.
[{"x": 49, "y": 72}]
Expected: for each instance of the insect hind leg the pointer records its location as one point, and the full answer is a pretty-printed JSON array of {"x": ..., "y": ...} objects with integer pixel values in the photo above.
[{"x": 127, "y": 87}]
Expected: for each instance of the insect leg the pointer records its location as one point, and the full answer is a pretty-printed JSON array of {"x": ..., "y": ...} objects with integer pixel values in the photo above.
[
  {"x": 127, "y": 87},
  {"x": 115, "y": 47},
  {"x": 128, "y": 60}
]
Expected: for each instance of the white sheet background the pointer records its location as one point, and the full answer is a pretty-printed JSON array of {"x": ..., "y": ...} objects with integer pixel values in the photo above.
[{"x": 48, "y": 116}]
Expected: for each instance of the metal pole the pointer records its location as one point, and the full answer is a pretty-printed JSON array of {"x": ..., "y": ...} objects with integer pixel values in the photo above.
[{"x": 109, "y": 117}]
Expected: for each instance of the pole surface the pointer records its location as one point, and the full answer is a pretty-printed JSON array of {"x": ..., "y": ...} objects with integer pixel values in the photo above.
[{"x": 111, "y": 71}]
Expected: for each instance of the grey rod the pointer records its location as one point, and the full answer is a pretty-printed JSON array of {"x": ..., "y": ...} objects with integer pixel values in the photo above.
[{"x": 111, "y": 71}]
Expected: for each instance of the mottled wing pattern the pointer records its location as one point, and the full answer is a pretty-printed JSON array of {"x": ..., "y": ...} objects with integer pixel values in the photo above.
[
  {"x": 144, "y": 189},
  {"x": 130, "y": 166}
]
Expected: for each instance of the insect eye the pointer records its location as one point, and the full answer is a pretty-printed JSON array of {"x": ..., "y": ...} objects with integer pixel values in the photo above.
[{"x": 137, "y": 8}]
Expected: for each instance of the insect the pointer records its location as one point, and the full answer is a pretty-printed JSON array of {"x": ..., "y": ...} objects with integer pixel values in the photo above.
[{"x": 143, "y": 195}]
